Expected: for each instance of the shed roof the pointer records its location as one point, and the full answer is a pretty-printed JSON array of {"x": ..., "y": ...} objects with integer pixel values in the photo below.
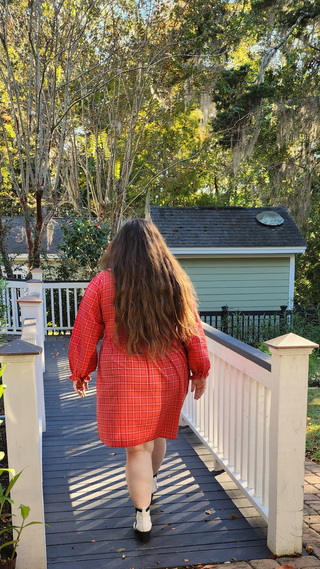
[{"x": 224, "y": 227}]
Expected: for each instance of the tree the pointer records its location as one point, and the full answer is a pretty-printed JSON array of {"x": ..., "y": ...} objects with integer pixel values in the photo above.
[
  {"x": 267, "y": 105},
  {"x": 115, "y": 152},
  {"x": 42, "y": 44}
]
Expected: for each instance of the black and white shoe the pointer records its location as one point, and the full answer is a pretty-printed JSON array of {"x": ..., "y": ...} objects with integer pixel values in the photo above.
[{"x": 143, "y": 524}]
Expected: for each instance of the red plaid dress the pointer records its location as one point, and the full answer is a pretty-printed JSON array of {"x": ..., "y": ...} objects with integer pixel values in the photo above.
[{"x": 138, "y": 399}]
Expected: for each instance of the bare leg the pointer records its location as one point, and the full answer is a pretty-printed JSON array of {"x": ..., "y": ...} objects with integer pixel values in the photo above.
[
  {"x": 139, "y": 473},
  {"x": 159, "y": 451}
]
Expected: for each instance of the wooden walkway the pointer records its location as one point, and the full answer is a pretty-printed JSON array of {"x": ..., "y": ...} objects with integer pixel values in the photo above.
[{"x": 195, "y": 514}]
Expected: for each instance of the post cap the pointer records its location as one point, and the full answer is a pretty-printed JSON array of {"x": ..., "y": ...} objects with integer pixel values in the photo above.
[
  {"x": 290, "y": 340},
  {"x": 20, "y": 348},
  {"x": 36, "y": 274},
  {"x": 29, "y": 298}
]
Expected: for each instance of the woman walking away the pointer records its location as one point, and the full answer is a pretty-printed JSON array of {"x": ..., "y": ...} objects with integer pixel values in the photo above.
[{"x": 143, "y": 304}]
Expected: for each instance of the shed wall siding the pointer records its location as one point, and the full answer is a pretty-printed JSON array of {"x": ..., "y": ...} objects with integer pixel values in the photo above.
[{"x": 240, "y": 283}]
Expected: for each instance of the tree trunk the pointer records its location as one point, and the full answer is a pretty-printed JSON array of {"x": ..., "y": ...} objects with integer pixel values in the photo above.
[
  {"x": 3, "y": 245},
  {"x": 37, "y": 241},
  {"x": 4, "y": 251}
]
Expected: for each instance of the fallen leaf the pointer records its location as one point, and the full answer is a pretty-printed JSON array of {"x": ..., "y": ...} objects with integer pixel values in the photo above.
[
  {"x": 289, "y": 566},
  {"x": 121, "y": 549},
  {"x": 113, "y": 453},
  {"x": 208, "y": 512},
  {"x": 275, "y": 556},
  {"x": 93, "y": 541},
  {"x": 208, "y": 566},
  {"x": 73, "y": 449},
  {"x": 123, "y": 556},
  {"x": 186, "y": 560},
  {"x": 309, "y": 549},
  {"x": 234, "y": 517}
]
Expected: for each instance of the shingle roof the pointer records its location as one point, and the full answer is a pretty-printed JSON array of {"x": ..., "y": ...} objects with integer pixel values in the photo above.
[
  {"x": 17, "y": 242},
  {"x": 224, "y": 227},
  {"x": 190, "y": 227}
]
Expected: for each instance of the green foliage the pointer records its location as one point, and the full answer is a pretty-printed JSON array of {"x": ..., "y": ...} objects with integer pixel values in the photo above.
[
  {"x": 84, "y": 243},
  {"x": 304, "y": 322},
  {"x": 313, "y": 425},
  {"x": 24, "y": 511},
  {"x": 314, "y": 370}
]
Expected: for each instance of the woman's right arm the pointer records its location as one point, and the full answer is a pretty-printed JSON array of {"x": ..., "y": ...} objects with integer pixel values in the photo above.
[{"x": 87, "y": 331}]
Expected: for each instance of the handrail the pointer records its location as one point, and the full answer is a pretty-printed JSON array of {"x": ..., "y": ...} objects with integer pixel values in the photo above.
[
  {"x": 252, "y": 418},
  {"x": 250, "y": 353}
]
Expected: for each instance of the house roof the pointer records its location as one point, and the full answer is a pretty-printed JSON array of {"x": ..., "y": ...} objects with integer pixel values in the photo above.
[
  {"x": 190, "y": 227},
  {"x": 225, "y": 227},
  {"x": 16, "y": 236}
]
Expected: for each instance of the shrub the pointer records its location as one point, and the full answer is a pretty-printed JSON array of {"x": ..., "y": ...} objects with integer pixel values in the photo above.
[{"x": 82, "y": 246}]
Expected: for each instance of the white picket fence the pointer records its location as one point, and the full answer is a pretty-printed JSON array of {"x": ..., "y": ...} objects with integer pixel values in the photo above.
[{"x": 252, "y": 417}]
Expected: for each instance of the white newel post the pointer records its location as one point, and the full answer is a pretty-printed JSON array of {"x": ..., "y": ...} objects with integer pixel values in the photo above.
[
  {"x": 290, "y": 360},
  {"x": 24, "y": 447},
  {"x": 35, "y": 289},
  {"x": 31, "y": 307}
]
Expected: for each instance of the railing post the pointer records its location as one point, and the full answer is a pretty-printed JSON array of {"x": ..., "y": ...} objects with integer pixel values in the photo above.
[
  {"x": 35, "y": 288},
  {"x": 289, "y": 369},
  {"x": 224, "y": 319},
  {"x": 24, "y": 447},
  {"x": 31, "y": 307},
  {"x": 283, "y": 318}
]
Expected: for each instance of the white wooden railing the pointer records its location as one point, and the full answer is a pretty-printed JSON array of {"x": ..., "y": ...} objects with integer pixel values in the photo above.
[
  {"x": 252, "y": 418},
  {"x": 61, "y": 301},
  {"x": 25, "y": 422},
  {"x": 14, "y": 290},
  {"x": 60, "y": 304}
]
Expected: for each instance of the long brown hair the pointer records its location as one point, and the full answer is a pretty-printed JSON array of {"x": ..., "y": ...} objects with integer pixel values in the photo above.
[{"x": 155, "y": 302}]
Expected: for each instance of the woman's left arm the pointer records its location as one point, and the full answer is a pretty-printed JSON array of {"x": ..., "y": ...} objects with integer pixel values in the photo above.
[{"x": 87, "y": 331}]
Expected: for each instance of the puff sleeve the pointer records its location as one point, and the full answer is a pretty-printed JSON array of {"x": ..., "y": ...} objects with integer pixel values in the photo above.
[
  {"x": 197, "y": 354},
  {"x": 88, "y": 330}
]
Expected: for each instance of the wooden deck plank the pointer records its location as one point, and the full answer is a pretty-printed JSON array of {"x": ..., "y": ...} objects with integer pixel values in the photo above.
[
  {"x": 87, "y": 503},
  {"x": 153, "y": 561}
]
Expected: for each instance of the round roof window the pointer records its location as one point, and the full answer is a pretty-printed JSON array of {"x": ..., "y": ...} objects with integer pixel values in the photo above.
[{"x": 270, "y": 218}]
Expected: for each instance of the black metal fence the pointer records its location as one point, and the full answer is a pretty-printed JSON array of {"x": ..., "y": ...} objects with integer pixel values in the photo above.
[{"x": 250, "y": 326}]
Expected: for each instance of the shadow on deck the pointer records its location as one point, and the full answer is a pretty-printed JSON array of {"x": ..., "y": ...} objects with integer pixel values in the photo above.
[{"x": 197, "y": 517}]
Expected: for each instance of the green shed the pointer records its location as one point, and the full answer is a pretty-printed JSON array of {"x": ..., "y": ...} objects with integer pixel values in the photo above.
[{"x": 239, "y": 257}]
